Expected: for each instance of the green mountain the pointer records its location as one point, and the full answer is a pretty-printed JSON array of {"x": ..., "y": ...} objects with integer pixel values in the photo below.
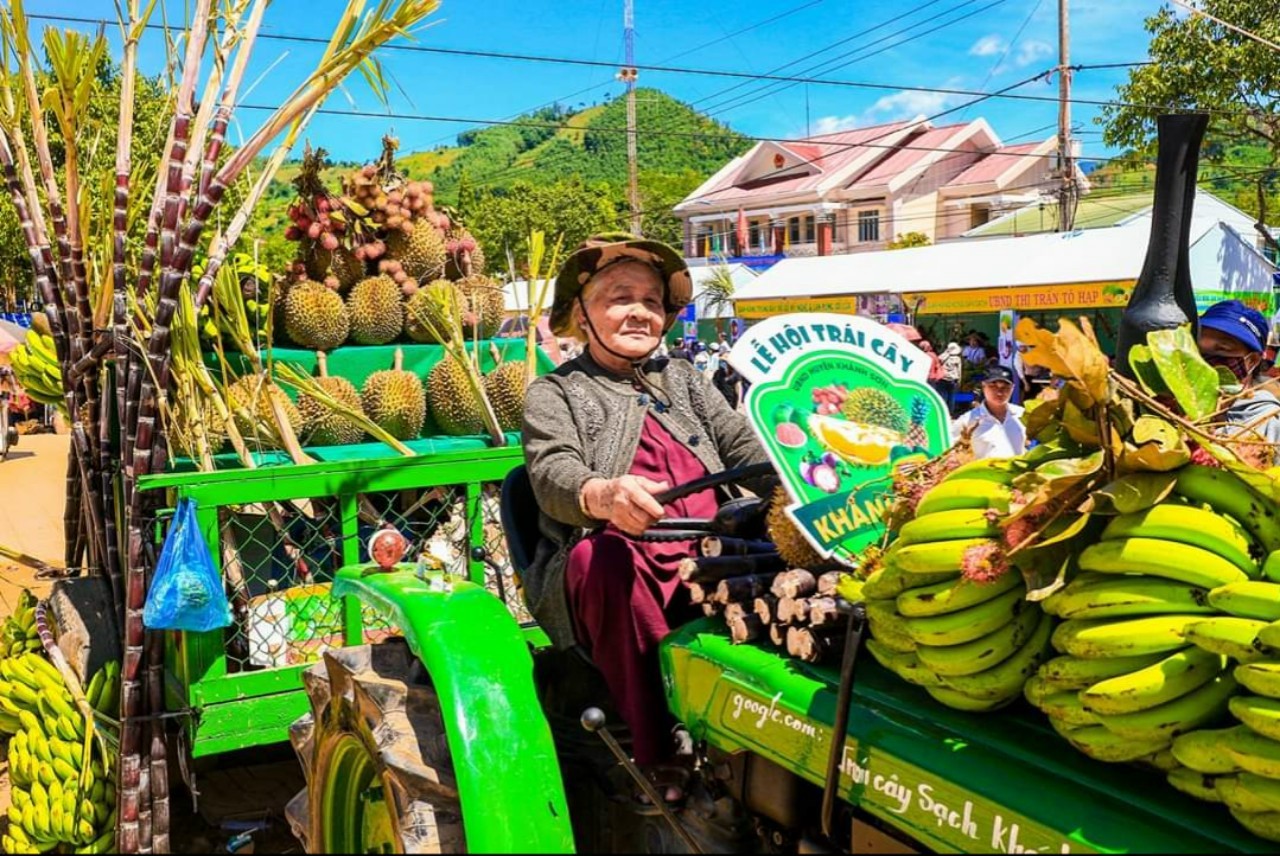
[{"x": 574, "y": 162}]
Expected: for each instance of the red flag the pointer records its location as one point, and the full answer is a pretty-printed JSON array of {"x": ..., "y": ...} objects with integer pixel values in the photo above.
[{"x": 742, "y": 232}]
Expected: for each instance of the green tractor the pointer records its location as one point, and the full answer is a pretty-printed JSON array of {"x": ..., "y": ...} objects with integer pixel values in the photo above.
[{"x": 471, "y": 733}]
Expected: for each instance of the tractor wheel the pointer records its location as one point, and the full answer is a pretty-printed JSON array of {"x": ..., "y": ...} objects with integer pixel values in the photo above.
[{"x": 379, "y": 775}]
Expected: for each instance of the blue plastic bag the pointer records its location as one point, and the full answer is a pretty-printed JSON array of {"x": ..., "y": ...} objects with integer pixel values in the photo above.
[{"x": 186, "y": 591}]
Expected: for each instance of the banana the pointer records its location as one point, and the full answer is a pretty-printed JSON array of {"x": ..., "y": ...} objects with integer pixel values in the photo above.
[
  {"x": 1249, "y": 599},
  {"x": 1103, "y": 745},
  {"x": 1187, "y": 524},
  {"x": 110, "y": 701},
  {"x": 1271, "y": 566},
  {"x": 947, "y": 526},
  {"x": 1198, "y": 785},
  {"x": 1237, "y": 798},
  {"x": 1123, "y": 637},
  {"x": 1260, "y": 714},
  {"x": 19, "y": 669},
  {"x": 1078, "y": 673},
  {"x": 1260, "y": 678},
  {"x": 1162, "y": 761},
  {"x": 1270, "y": 635},
  {"x": 1158, "y": 557},
  {"x": 40, "y": 805},
  {"x": 983, "y": 653},
  {"x": 1004, "y": 681},
  {"x": 1186, "y": 713},
  {"x": 966, "y": 625},
  {"x": 60, "y": 748},
  {"x": 1067, "y": 709},
  {"x": 1235, "y": 637},
  {"x": 1264, "y": 791},
  {"x": 1262, "y": 824},
  {"x": 1106, "y": 596},
  {"x": 1228, "y": 494},
  {"x": 937, "y": 557},
  {"x": 887, "y": 626},
  {"x": 46, "y": 673},
  {"x": 999, "y": 470},
  {"x": 905, "y": 666},
  {"x": 1037, "y": 689},
  {"x": 890, "y": 581},
  {"x": 950, "y": 495},
  {"x": 63, "y": 770},
  {"x": 954, "y": 594},
  {"x": 96, "y": 683},
  {"x": 960, "y": 701},
  {"x": 1171, "y": 678},
  {"x": 103, "y": 844}
]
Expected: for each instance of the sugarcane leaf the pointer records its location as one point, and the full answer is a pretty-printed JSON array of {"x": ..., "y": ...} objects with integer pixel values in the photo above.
[
  {"x": 1132, "y": 492},
  {"x": 1192, "y": 381}
]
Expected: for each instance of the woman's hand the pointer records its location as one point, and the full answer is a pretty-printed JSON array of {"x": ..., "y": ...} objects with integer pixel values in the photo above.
[{"x": 627, "y": 502}]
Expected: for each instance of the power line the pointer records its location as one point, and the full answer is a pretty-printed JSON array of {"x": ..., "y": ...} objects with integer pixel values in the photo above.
[{"x": 705, "y": 72}]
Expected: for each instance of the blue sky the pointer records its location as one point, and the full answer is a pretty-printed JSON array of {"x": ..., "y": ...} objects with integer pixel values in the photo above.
[{"x": 996, "y": 46}]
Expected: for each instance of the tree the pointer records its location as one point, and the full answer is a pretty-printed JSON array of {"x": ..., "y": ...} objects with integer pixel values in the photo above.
[
  {"x": 717, "y": 293},
  {"x": 502, "y": 219},
  {"x": 908, "y": 240},
  {"x": 659, "y": 193},
  {"x": 1197, "y": 64}
]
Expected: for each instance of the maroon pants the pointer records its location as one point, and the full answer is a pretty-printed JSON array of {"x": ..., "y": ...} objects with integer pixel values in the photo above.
[{"x": 625, "y": 596}]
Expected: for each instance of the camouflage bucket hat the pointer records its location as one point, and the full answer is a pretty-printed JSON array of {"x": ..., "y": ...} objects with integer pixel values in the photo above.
[{"x": 598, "y": 252}]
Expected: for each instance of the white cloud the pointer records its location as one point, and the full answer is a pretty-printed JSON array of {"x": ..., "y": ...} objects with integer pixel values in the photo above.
[
  {"x": 910, "y": 102},
  {"x": 1033, "y": 50},
  {"x": 988, "y": 46},
  {"x": 833, "y": 124}
]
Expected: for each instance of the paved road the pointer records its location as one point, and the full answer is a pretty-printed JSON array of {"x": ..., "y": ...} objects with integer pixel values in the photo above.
[{"x": 32, "y": 489}]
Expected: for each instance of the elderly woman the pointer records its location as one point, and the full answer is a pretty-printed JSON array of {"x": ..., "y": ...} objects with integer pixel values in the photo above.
[{"x": 603, "y": 434}]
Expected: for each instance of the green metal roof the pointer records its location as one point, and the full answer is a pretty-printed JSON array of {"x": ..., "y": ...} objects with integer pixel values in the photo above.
[{"x": 1104, "y": 209}]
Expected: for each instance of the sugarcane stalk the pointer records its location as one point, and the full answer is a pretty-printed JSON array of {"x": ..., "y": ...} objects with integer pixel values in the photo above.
[
  {"x": 792, "y": 610},
  {"x": 794, "y": 583},
  {"x": 823, "y": 612},
  {"x": 747, "y": 587},
  {"x": 766, "y": 606},
  {"x": 809, "y": 644},
  {"x": 778, "y": 634},
  {"x": 712, "y": 569},
  {"x": 722, "y": 545},
  {"x": 710, "y": 609},
  {"x": 736, "y": 610},
  {"x": 744, "y": 628},
  {"x": 828, "y": 582},
  {"x": 699, "y": 594}
]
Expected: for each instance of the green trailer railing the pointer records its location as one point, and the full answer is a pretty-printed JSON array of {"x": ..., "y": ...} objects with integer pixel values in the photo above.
[{"x": 280, "y": 533}]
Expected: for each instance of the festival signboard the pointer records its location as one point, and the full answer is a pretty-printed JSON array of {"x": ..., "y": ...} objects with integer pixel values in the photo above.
[{"x": 838, "y": 401}]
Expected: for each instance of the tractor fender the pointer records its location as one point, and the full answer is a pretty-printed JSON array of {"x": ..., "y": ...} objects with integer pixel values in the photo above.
[{"x": 504, "y": 759}]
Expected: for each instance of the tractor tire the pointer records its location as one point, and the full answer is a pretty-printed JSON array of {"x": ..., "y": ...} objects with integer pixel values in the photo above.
[{"x": 377, "y": 764}]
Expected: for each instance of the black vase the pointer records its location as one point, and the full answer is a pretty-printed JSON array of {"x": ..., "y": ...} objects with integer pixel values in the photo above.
[{"x": 1163, "y": 298}]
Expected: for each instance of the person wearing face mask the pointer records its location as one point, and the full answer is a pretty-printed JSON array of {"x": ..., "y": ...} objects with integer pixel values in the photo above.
[
  {"x": 1233, "y": 336},
  {"x": 603, "y": 434}
]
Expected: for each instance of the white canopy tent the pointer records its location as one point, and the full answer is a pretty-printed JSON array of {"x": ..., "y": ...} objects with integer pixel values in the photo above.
[{"x": 516, "y": 294}]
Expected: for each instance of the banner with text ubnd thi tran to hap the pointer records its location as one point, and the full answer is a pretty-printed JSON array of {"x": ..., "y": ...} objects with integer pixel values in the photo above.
[{"x": 838, "y": 401}]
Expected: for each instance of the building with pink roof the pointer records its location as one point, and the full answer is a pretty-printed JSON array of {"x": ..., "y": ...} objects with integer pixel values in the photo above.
[{"x": 856, "y": 190}]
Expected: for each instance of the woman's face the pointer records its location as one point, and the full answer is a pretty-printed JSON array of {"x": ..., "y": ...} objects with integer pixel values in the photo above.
[{"x": 625, "y": 307}]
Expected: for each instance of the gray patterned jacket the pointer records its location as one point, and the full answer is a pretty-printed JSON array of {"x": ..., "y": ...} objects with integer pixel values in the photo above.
[{"x": 581, "y": 422}]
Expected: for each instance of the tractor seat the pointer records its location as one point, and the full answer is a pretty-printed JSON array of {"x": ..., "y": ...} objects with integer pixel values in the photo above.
[{"x": 518, "y": 510}]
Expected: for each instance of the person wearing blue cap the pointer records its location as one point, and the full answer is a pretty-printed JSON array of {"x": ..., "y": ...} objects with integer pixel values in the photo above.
[
  {"x": 995, "y": 426},
  {"x": 1234, "y": 336}
]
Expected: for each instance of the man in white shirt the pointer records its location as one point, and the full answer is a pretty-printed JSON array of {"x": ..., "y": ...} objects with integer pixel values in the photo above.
[{"x": 997, "y": 426}]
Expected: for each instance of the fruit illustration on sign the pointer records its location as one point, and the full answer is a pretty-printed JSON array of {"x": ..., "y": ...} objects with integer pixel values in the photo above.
[{"x": 790, "y": 435}]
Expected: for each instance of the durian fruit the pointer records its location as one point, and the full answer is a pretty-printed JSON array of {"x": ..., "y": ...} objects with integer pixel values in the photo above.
[
  {"x": 315, "y": 316},
  {"x": 453, "y": 403},
  {"x": 872, "y": 406},
  {"x": 792, "y": 546},
  {"x": 250, "y": 393},
  {"x": 377, "y": 315},
  {"x": 421, "y": 252},
  {"x": 505, "y": 387},
  {"x": 341, "y": 263},
  {"x": 326, "y": 426},
  {"x": 433, "y": 302},
  {"x": 461, "y": 247},
  {"x": 394, "y": 399},
  {"x": 483, "y": 306}
]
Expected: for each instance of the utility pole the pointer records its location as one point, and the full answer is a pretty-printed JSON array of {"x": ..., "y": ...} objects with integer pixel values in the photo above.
[
  {"x": 628, "y": 74},
  {"x": 1066, "y": 164}
]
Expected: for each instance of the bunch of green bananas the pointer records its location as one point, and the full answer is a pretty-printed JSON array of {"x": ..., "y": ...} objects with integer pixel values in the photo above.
[
  {"x": 35, "y": 365},
  {"x": 971, "y": 645},
  {"x": 58, "y": 802},
  {"x": 1147, "y": 639},
  {"x": 1239, "y": 766},
  {"x": 18, "y": 632}
]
